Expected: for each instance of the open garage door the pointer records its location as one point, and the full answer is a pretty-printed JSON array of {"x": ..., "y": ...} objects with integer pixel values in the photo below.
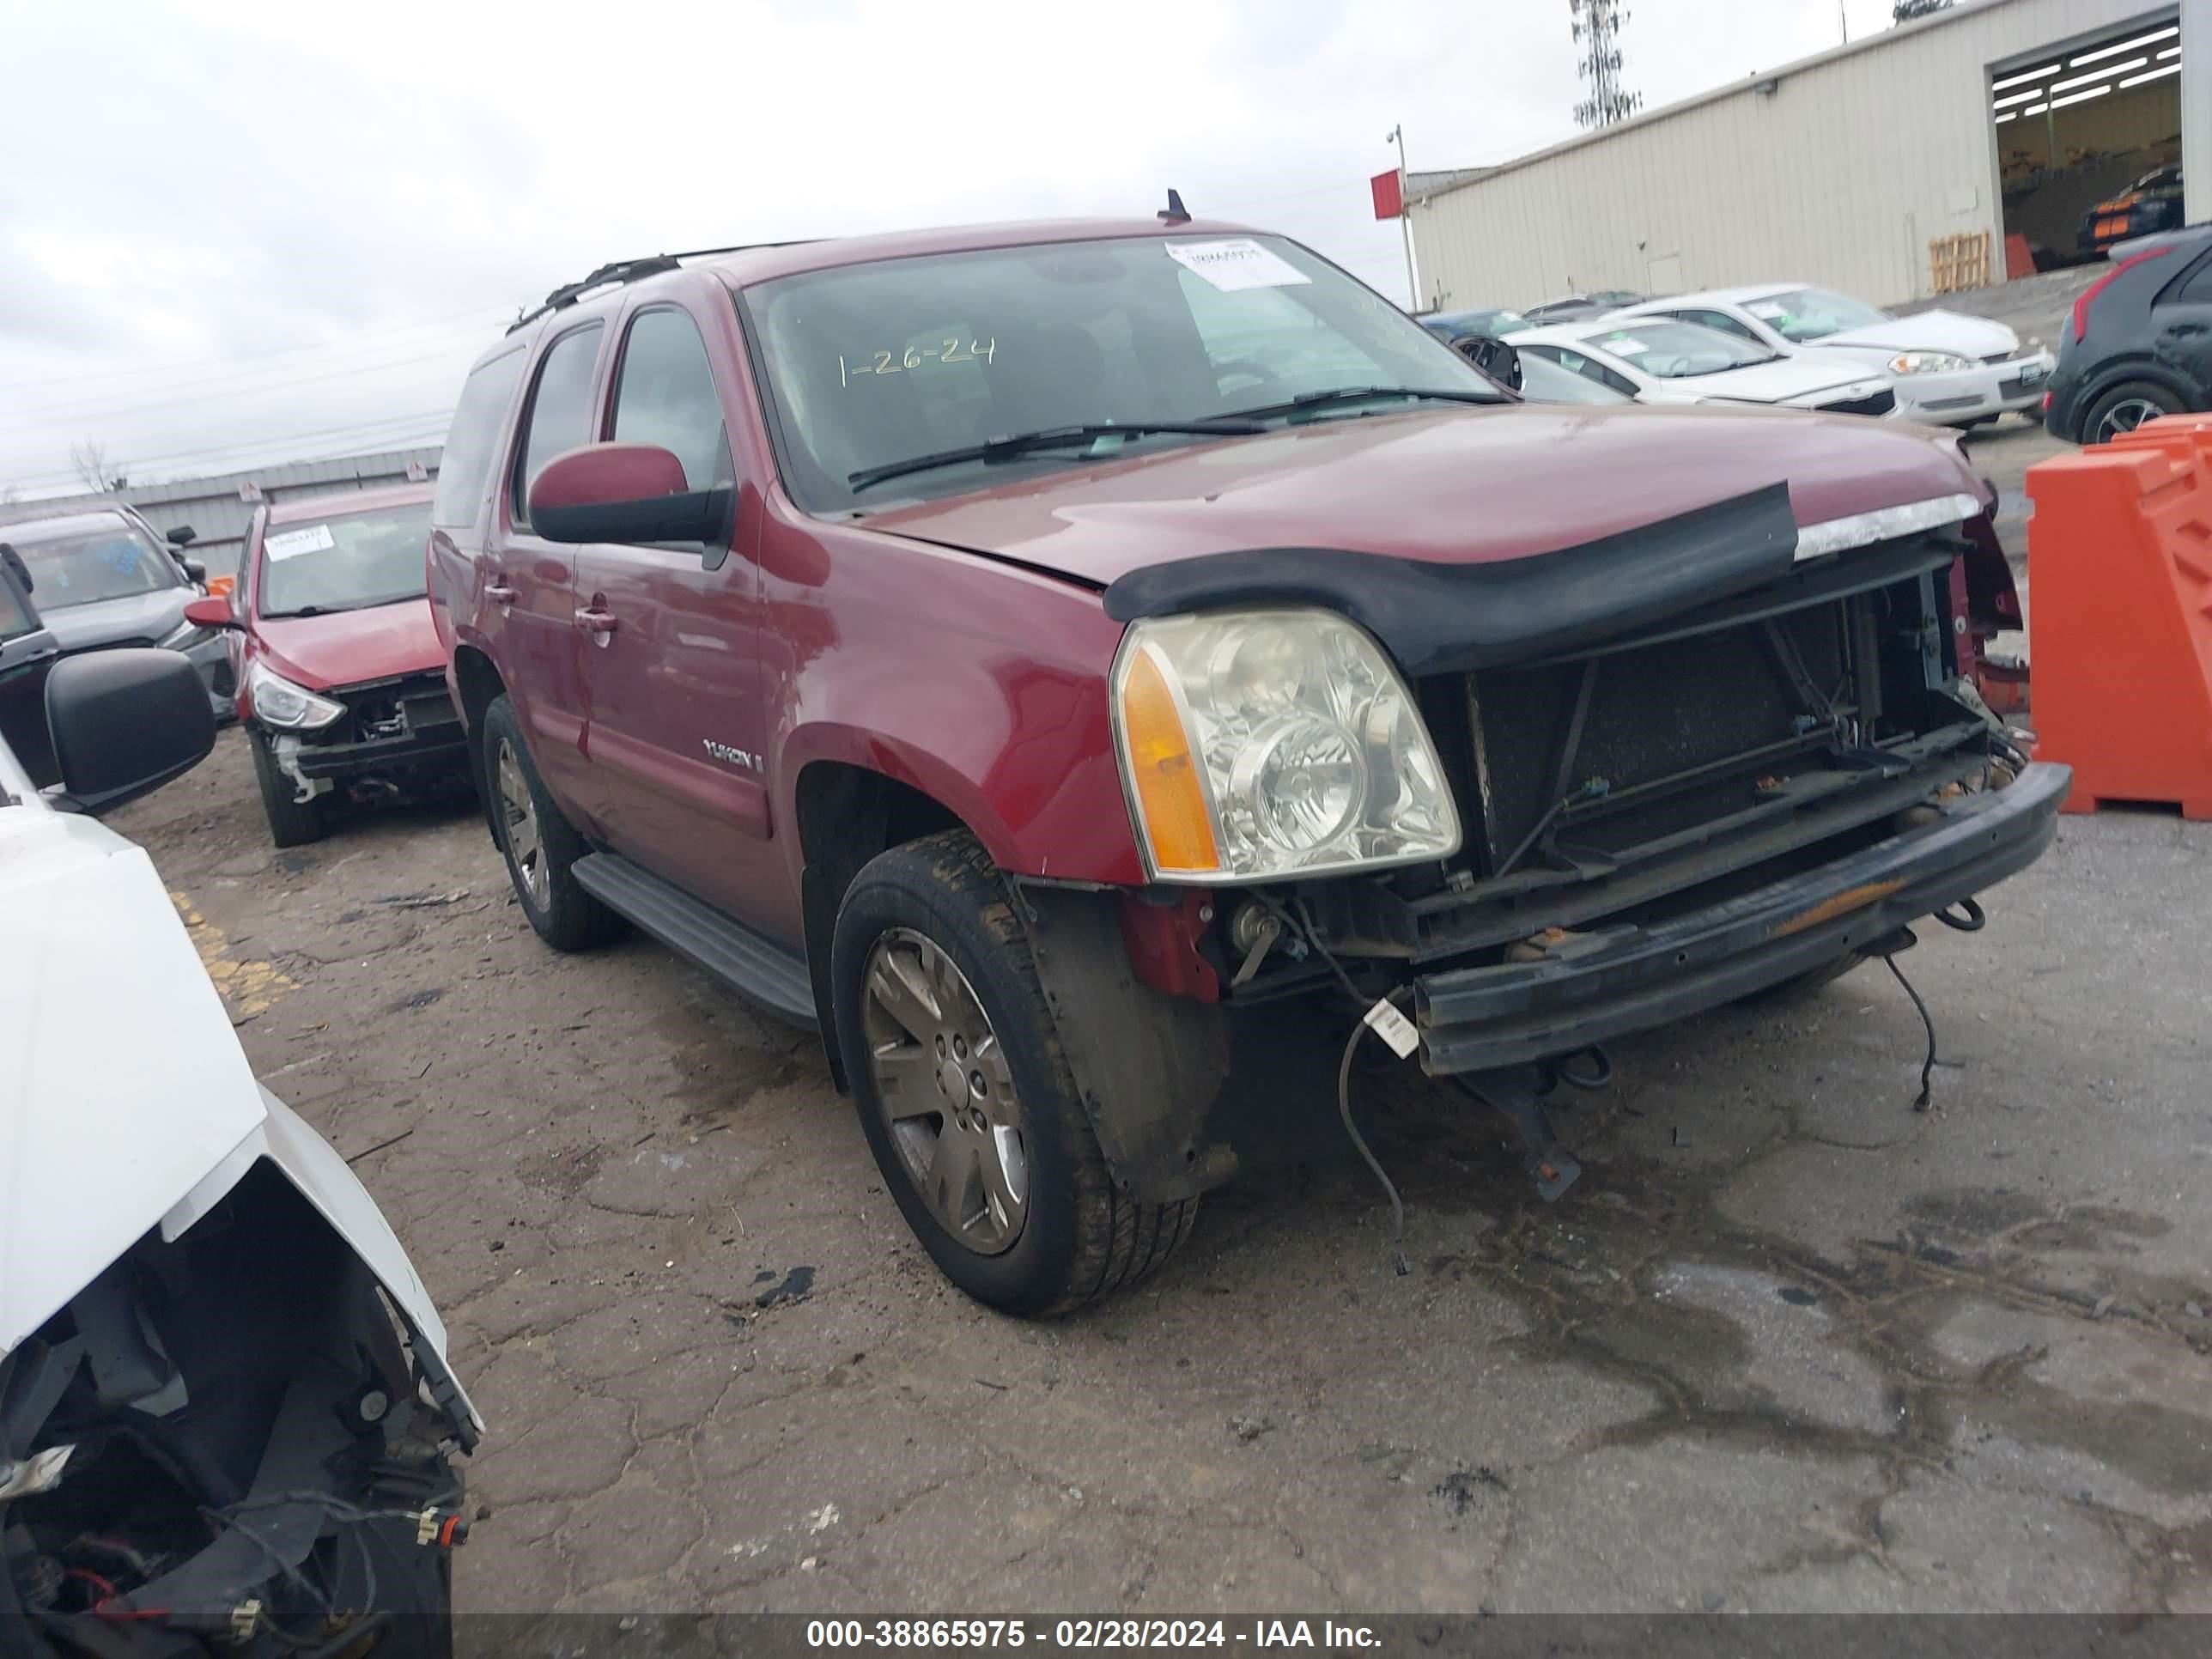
[{"x": 2088, "y": 140}]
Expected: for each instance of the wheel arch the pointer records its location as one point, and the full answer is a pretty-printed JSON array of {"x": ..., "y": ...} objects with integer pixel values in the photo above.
[
  {"x": 847, "y": 814},
  {"x": 477, "y": 681},
  {"x": 2116, "y": 371}
]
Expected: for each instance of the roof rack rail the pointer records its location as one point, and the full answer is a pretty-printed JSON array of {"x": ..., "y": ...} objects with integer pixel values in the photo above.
[{"x": 619, "y": 272}]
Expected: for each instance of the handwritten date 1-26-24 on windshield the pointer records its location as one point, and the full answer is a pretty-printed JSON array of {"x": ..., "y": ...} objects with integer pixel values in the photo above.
[{"x": 895, "y": 361}]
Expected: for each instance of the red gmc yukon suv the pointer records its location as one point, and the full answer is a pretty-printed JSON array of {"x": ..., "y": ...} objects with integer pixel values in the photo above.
[{"x": 1029, "y": 653}]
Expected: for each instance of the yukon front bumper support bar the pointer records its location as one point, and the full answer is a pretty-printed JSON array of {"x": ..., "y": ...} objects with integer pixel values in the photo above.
[{"x": 1477, "y": 1019}]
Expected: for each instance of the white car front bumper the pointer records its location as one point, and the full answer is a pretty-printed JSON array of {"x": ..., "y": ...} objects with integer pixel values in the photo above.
[{"x": 2016, "y": 382}]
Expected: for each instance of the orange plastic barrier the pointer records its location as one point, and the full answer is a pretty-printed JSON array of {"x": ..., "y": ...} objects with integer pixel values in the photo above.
[
  {"x": 2119, "y": 561},
  {"x": 2019, "y": 261}
]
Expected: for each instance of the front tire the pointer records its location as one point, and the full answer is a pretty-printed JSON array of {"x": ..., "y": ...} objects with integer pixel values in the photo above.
[
  {"x": 965, "y": 1096},
  {"x": 541, "y": 846},
  {"x": 2126, "y": 407},
  {"x": 292, "y": 821}
]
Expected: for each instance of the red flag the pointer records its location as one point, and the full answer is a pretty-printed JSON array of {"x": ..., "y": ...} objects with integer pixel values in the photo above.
[{"x": 1389, "y": 194}]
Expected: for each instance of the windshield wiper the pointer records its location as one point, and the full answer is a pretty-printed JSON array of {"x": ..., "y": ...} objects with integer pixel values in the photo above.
[
  {"x": 1358, "y": 394},
  {"x": 1056, "y": 437},
  {"x": 336, "y": 610}
]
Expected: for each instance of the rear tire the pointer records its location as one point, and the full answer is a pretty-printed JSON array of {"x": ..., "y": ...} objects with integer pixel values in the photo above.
[
  {"x": 2126, "y": 407},
  {"x": 937, "y": 911},
  {"x": 292, "y": 821},
  {"x": 541, "y": 846}
]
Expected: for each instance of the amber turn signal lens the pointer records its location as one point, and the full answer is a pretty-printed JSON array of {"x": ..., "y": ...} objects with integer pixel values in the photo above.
[{"x": 1163, "y": 774}]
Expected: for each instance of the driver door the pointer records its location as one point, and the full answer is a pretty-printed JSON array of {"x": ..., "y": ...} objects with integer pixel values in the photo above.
[{"x": 668, "y": 644}]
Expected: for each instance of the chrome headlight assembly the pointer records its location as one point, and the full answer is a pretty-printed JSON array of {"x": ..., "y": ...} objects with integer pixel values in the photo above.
[
  {"x": 1262, "y": 744},
  {"x": 278, "y": 702},
  {"x": 1927, "y": 362}
]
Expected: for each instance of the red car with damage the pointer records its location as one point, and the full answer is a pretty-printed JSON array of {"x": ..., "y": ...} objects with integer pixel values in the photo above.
[
  {"x": 1039, "y": 655},
  {"x": 341, "y": 676}
]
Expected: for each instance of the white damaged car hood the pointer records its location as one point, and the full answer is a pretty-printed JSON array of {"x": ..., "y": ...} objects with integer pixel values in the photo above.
[
  {"x": 125, "y": 1102},
  {"x": 1974, "y": 337}
]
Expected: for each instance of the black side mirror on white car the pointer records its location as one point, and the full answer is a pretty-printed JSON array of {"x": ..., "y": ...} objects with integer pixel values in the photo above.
[
  {"x": 125, "y": 723},
  {"x": 1493, "y": 356}
]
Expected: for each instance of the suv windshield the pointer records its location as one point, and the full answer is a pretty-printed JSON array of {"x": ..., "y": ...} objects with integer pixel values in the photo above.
[
  {"x": 346, "y": 562},
  {"x": 112, "y": 561},
  {"x": 872, "y": 365},
  {"x": 1813, "y": 313},
  {"x": 1676, "y": 351}
]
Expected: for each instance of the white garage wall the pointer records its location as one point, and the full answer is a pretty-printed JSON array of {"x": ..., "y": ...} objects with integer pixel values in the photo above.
[
  {"x": 1838, "y": 169},
  {"x": 2196, "y": 108}
]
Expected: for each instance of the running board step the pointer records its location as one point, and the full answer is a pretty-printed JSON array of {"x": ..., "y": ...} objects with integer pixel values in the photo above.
[{"x": 730, "y": 950}]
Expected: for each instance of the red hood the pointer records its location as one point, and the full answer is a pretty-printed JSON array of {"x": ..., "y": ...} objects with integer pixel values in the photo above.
[
  {"x": 1452, "y": 486},
  {"x": 349, "y": 647}
]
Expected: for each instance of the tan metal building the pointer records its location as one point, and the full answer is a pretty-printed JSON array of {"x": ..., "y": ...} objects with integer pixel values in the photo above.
[{"x": 1994, "y": 117}]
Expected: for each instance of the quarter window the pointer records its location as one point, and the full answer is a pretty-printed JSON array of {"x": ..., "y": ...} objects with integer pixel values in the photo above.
[
  {"x": 665, "y": 396},
  {"x": 478, "y": 419},
  {"x": 2195, "y": 289},
  {"x": 560, "y": 410}
]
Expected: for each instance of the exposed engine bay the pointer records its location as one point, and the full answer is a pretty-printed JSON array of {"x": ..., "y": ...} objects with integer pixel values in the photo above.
[{"x": 224, "y": 1443}]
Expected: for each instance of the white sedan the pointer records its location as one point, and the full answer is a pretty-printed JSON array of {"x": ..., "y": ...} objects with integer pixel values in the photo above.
[
  {"x": 1952, "y": 369},
  {"x": 1657, "y": 360}
]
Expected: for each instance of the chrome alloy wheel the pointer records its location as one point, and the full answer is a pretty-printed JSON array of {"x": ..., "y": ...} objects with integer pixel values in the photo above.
[
  {"x": 525, "y": 844},
  {"x": 2125, "y": 417},
  {"x": 946, "y": 1095}
]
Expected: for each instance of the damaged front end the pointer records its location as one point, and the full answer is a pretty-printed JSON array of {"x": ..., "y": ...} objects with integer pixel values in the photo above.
[
  {"x": 227, "y": 1442},
  {"x": 1696, "y": 810},
  {"x": 393, "y": 740},
  {"x": 1689, "y": 765}
]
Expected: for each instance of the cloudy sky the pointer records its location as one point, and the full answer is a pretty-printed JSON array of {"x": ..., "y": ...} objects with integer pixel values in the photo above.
[{"x": 237, "y": 231}]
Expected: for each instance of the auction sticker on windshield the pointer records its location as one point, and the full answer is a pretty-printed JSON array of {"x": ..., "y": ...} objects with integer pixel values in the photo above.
[
  {"x": 1766, "y": 310},
  {"x": 316, "y": 539},
  {"x": 1624, "y": 345},
  {"x": 1237, "y": 263}
]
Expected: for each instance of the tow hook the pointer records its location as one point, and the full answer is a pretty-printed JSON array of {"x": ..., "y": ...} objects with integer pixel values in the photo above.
[
  {"x": 1517, "y": 1094},
  {"x": 286, "y": 749}
]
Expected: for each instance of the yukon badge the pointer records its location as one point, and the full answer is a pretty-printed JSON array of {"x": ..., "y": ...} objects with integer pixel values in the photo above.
[{"x": 722, "y": 751}]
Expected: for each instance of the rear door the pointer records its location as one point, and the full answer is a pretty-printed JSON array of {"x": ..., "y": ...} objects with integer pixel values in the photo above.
[
  {"x": 27, "y": 656},
  {"x": 2181, "y": 324},
  {"x": 530, "y": 581},
  {"x": 669, "y": 647}
]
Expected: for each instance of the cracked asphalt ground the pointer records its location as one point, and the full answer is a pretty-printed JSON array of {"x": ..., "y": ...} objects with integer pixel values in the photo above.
[{"x": 1788, "y": 1344}]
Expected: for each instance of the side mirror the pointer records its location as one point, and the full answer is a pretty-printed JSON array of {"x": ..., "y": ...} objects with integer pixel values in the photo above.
[
  {"x": 125, "y": 722},
  {"x": 183, "y": 536},
  {"x": 211, "y": 612},
  {"x": 195, "y": 572},
  {"x": 16, "y": 568},
  {"x": 1493, "y": 356},
  {"x": 625, "y": 493}
]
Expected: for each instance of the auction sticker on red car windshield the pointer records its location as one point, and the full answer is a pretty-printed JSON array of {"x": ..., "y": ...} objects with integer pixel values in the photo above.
[
  {"x": 1238, "y": 263},
  {"x": 316, "y": 539}
]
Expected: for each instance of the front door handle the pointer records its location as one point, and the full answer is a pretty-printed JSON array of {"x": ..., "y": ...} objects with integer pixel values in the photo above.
[
  {"x": 598, "y": 622},
  {"x": 499, "y": 592}
]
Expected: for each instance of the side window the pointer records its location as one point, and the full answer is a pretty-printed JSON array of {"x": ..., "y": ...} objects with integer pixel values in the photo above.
[
  {"x": 2195, "y": 289},
  {"x": 664, "y": 395},
  {"x": 1585, "y": 368},
  {"x": 560, "y": 418},
  {"x": 1620, "y": 383},
  {"x": 1720, "y": 320},
  {"x": 15, "y": 619},
  {"x": 473, "y": 441}
]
